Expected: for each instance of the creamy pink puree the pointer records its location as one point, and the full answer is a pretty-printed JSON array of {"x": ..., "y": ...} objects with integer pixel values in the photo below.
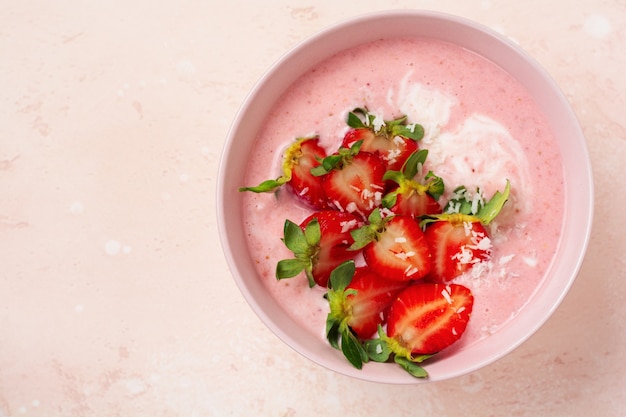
[{"x": 481, "y": 126}]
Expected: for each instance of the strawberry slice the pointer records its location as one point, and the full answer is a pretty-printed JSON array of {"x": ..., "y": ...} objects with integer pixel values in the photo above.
[
  {"x": 320, "y": 243},
  {"x": 352, "y": 180},
  {"x": 426, "y": 318},
  {"x": 357, "y": 299},
  {"x": 458, "y": 237},
  {"x": 415, "y": 194},
  {"x": 394, "y": 247},
  {"x": 457, "y": 244},
  {"x": 363, "y": 303},
  {"x": 300, "y": 157},
  {"x": 392, "y": 140}
]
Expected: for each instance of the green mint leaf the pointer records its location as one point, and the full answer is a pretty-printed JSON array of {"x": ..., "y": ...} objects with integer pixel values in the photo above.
[
  {"x": 459, "y": 202},
  {"x": 390, "y": 199},
  {"x": 294, "y": 238},
  {"x": 413, "y": 165},
  {"x": 354, "y": 149},
  {"x": 266, "y": 186},
  {"x": 411, "y": 367},
  {"x": 492, "y": 208},
  {"x": 395, "y": 176},
  {"x": 318, "y": 171},
  {"x": 422, "y": 358},
  {"x": 362, "y": 236},
  {"x": 332, "y": 332},
  {"x": 435, "y": 186},
  {"x": 352, "y": 349},
  {"x": 341, "y": 276},
  {"x": 375, "y": 218},
  {"x": 354, "y": 121},
  {"x": 312, "y": 233},
  {"x": 289, "y": 268},
  {"x": 427, "y": 220},
  {"x": 377, "y": 350},
  {"x": 326, "y": 165},
  {"x": 413, "y": 131}
]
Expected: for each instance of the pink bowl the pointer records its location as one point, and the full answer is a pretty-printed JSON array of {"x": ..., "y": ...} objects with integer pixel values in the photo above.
[{"x": 469, "y": 35}]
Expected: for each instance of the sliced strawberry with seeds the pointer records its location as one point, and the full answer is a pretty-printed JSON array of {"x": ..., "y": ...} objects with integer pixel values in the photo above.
[
  {"x": 392, "y": 140},
  {"x": 352, "y": 180},
  {"x": 415, "y": 194},
  {"x": 457, "y": 244},
  {"x": 426, "y": 318},
  {"x": 394, "y": 247},
  {"x": 458, "y": 237},
  {"x": 303, "y": 155},
  {"x": 363, "y": 303},
  {"x": 320, "y": 243}
]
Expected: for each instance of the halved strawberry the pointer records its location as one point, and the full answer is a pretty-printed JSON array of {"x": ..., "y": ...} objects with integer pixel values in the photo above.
[
  {"x": 392, "y": 140},
  {"x": 352, "y": 180},
  {"x": 303, "y": 155},
  {"x": 458, "y": 237},
  {"x": 357, "y": 299},
  {"x": 393, "y": 246},
  {"x": 320, "y": 243},
  {"x": 363, "y": 303},
  {"x": 426, "y": 318},
  {"x": 414, "y": 195}
]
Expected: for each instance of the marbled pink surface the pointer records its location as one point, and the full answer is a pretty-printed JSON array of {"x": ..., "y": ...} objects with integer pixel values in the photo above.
[{"x": 115, "y": 298}]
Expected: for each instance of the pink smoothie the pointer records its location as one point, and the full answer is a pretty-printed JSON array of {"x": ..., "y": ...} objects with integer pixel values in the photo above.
[{"x": 481, "y": 128}]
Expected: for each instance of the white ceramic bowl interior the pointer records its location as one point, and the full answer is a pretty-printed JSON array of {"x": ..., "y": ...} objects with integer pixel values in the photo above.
[{"x": 467, "y": 34}]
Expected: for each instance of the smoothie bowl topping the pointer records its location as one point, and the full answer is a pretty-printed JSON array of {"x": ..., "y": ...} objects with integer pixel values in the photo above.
[{"x": 380, "y": 241}]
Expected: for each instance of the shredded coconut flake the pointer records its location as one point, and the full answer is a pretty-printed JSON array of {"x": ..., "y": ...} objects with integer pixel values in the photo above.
[
  {"x": 484, "y": 244},
  {"x": 468, "y": 227},
  {"x": 351, "y": 207},
  {"x": 378, "y": 123},
  {"x": 446, "y": 295},
  {"x": 348, "y": 225},
  {"x": 506, "y": 259},
  {"x": 410, "y": 271},
  {"x": 464, "y": 255},
  {"x": 477, "y": 201},
  {"x": 385, "y": 212},
  {"x": 531, "y": 260}
]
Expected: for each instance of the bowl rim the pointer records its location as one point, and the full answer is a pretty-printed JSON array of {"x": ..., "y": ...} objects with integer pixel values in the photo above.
[{"x": 479, "y": 38}]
